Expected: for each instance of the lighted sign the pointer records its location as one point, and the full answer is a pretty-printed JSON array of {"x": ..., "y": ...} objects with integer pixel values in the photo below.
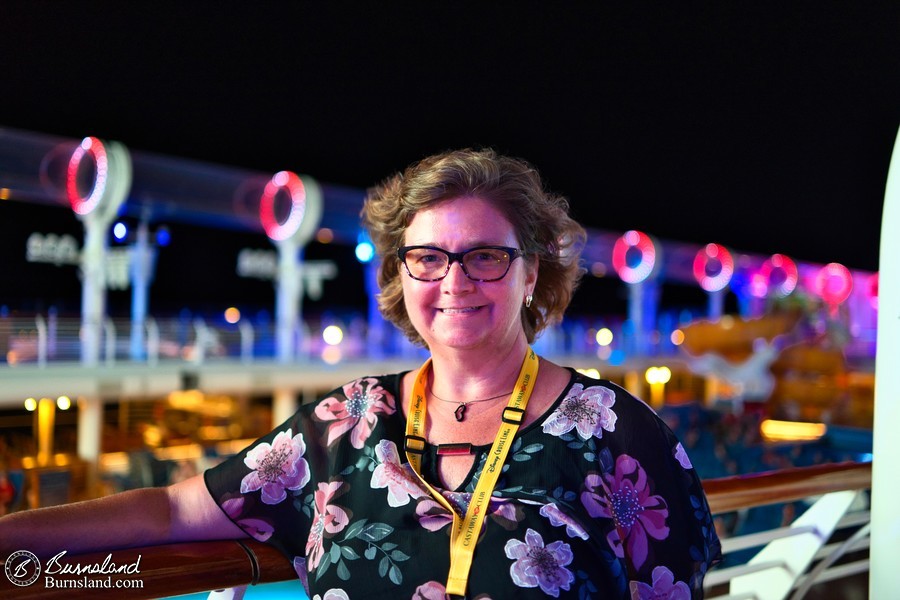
[
  {"x": 834, "y": 283},
  {"x": 90, "y": 148},
  {"x": 778, "y": 277},
  {"x": 289, "y": 183},
  {"x": 634, "y": 256},
  {"x": 52, "y": 248},
  {"x": 713, "y": 267}
]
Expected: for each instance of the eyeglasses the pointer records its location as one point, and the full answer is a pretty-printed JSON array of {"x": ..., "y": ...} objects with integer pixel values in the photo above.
[{"x": 483, "y": 263}]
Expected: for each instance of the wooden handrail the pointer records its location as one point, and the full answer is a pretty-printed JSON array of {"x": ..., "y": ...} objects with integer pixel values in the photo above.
[
  {"x": 200, "y": 566},
  {"x": 787, "y": 485}
]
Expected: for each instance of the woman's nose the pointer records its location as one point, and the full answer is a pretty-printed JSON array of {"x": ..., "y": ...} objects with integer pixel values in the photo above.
[{"x": 456, "y": 279}]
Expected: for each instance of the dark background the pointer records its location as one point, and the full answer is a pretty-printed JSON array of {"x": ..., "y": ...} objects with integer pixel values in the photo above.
[{"x": 765, "y": 126}]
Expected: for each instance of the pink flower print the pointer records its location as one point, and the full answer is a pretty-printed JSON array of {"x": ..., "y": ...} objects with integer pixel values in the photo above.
[
  {"x": 358, "y": 414},
  {"x": 558, "y": 518},
  {"x": 588, "y": 411},
  {"x": 328, "y": 519},
  {"x": 276, "y": 468},
  {"x": 664, "y": 587},
  {"x": 538, "y": 565},
  {"x": 432, "y": 515},
  {"x": 259, "y": 529},
  {"x": 682, "y": 457},
  {"x": 503, "y": 512},
  {"x": 624, "y": 496},
  {"x": 431, "y": 590},
  {"x": 399, "y": 479}
]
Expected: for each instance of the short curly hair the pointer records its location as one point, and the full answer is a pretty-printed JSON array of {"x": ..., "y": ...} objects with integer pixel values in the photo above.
[{"x": 539, "y": 218}]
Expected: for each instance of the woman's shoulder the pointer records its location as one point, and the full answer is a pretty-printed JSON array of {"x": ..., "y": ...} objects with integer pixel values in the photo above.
[
  {"x": 582, "y": 382},
  {"x": 602, "y": 397}
]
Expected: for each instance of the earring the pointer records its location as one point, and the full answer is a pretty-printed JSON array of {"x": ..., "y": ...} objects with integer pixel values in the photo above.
[{"x": 528, "y": 300}]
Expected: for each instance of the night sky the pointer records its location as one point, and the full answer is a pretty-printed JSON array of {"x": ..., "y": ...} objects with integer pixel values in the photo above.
[{"x": 765, "y": 126}]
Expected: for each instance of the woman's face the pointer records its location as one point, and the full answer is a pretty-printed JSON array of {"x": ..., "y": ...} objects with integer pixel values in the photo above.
[{"x": 457, "y": 312}]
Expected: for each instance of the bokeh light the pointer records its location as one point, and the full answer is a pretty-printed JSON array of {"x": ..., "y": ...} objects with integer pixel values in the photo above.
[
  {"x": 282, "y": 182},
  {"x": 777, "y": 277},
  {"x": 365, "y": 252},
  {"x": 324, "y": 236},
  {"x": 120, "y": 231},
  {"x": 331, "y": 355},
  {"x": 634, "y": 256},
  {"x": 655, "y": 375},
  {"x": 713, "y": 267},
  {"x": 93, "y": 148},
  {"x": 604, "y": 337},
  {"x": 593, "y": 373},
  {"x": 834, "y": 283},
  {"x": 332, "y": 335}
]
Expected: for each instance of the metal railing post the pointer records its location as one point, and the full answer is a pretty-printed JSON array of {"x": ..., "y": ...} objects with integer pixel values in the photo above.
[
  {"x": 109, "y": 347},
  {"x": 247, "y": 338},
  {"x": 201, "y": 338},
  {"x": 152, "y": 341},
  {"x": 41, "y": 326}
]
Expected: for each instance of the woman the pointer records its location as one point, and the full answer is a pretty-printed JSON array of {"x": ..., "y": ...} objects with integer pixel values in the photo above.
[{"x": 490, "y": 472}]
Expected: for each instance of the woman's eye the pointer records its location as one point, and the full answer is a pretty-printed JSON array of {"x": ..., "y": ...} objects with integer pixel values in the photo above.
[{"x": 486, "y": 256}]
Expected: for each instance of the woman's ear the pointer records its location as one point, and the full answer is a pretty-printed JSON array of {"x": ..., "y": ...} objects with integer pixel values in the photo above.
[{"x": 531, "y": 275}]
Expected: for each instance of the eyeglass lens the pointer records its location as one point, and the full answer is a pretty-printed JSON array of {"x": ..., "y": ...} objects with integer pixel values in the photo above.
[{"x": 478, "y": 263}]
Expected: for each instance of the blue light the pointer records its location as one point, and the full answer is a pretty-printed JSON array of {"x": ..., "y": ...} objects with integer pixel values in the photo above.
[
  {"x": 163, "y": 237},
  {"x": 616, "y": 358},
  {"x": 365, "y": 252},
  {"x": 120, "y": 231}
]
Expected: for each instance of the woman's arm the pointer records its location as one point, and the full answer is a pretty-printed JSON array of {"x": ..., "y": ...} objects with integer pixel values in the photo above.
[{"x": 181, "y": 512}]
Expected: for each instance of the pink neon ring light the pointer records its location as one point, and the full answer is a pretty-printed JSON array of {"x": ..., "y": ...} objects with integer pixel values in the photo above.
[
  {"x": 774, "y": 264},
  {"x": 834, "y": 283},
  {"x": 291, "y": 183},
  {"x": 702, "y": 260},
  {"x": 634, "y": 240},
  {"x": 90, "y": 146}
]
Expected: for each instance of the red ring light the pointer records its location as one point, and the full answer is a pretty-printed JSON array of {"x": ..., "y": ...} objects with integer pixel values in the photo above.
[
  {"x": 710, "y": 256},
  {"x": 834, "y": 283},
  {"x": 290, "y": 183},
  {"x": 778, "y": 264},
  {"x": 872, "y": 290},
  {"x": 90, "y": 146},
  {"x": 634, "y": 241}
]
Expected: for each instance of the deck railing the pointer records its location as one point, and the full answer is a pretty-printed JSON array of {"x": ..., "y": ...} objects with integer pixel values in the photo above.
[{"x": 793, "y": 558}]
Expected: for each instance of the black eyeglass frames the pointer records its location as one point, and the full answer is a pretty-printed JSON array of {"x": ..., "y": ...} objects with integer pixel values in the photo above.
[{"x": 482, "y": 263}]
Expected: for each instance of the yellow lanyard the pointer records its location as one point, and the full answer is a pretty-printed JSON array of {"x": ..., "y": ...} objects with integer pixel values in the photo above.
[{"x": 464, "y": 534}]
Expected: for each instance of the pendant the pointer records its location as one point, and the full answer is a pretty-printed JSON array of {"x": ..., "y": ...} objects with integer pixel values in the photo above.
[{"x": 460, "y": 412}]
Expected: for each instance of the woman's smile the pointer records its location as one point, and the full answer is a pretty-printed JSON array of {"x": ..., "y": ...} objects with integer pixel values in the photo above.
[{"x": 460, "y": 310}]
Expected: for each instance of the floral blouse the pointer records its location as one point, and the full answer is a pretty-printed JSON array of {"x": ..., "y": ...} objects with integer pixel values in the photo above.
[{"x": 597, "y": 499}]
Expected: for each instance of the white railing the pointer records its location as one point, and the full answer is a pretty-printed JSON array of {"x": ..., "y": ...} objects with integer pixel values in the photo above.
[
  {"x": 42, "y": 341},
  {"x": 822, "y": 545}
]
